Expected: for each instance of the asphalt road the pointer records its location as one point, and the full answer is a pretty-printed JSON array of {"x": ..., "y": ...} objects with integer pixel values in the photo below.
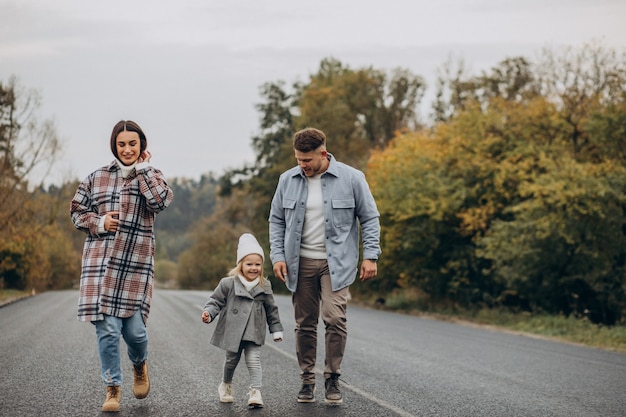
[{"x": 395, "y": 365}]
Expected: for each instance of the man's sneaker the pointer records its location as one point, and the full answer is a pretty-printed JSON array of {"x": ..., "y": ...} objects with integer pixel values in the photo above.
[
  {"x": 141, "y": 383},
  {"x": 225, "y": 390},
  {"x": 112, "y": 402},
  {"x": 254, "y": 398},
  {"x": 333, "y": 393},
  {"x": 307, "y": 393}
]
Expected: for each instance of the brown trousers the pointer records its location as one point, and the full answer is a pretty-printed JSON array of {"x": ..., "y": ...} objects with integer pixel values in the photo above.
[{"x": 314, "y": 291}]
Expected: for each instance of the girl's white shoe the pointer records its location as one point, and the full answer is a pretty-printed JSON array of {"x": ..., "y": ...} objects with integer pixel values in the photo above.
[
  {"x": 225, "y": 391},
  {"x": 254, "y": 398}
]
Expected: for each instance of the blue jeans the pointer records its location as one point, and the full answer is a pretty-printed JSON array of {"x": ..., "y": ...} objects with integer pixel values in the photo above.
[
  {"x": 253, "y": 362},
  {"x": 108, "y": 332}
]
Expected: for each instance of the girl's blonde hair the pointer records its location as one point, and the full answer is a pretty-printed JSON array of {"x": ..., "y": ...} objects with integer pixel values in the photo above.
[{"x": 238, "y": 270}]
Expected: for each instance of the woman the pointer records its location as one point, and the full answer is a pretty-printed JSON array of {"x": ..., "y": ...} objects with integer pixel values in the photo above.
[{"x": 116, "y": 206}]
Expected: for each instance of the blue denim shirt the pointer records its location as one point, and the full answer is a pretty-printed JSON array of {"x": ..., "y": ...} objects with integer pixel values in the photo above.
[{"x": 348, "y": 203}]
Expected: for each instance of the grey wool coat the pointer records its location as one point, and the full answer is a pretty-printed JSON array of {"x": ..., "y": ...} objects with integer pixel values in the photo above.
[{"x": 243, "y": 315}]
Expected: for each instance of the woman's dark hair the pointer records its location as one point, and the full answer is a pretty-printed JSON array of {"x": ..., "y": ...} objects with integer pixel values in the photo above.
[
  {"x": 130, "y": 126},
  {"x": 309, "y": 139}
]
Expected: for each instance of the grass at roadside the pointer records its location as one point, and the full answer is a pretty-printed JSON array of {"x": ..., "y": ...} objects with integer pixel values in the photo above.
[
  {"x": 10, "y": 295},
  {"x": 569, "y": 329}
]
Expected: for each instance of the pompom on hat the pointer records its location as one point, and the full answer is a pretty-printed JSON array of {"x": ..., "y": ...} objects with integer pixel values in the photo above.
[{"x": 248, "y": 245}]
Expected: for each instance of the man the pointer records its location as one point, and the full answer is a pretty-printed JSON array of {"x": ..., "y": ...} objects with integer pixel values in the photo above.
[{"x": 314, "y": 220}]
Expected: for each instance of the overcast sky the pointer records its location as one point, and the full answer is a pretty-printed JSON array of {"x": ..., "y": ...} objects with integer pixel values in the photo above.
[{"x": 189, "y": 71}]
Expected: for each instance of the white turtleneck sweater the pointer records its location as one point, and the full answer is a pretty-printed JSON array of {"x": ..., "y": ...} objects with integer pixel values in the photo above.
[
  {"x": 248, "y": 284},
  {"x": 313, "y": 245}
]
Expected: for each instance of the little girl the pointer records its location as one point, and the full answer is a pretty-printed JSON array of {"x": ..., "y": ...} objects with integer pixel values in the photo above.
[{"x": 246, "y": 303}]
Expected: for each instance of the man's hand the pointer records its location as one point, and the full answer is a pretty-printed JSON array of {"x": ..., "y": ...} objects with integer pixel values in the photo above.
[
  {"x": 280, "y": 270},
  {"x": 368, "y": 270}
]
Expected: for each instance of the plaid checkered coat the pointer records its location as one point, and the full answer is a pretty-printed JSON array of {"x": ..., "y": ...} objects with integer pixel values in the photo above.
[{"x": 118, "y": 268}]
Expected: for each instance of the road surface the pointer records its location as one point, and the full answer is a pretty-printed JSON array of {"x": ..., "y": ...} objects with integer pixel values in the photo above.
[{"x": 395, "y": 365}]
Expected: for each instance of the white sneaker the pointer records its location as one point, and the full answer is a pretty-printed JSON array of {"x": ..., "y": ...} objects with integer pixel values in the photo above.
[
  {"x": 254, "y": 398},
  {"x": 225, "y": 391}
]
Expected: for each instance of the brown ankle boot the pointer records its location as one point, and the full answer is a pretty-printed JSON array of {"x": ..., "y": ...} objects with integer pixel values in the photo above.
[
  {"x": 112, "y": 402},
  {"x": 141, "y": 385}
]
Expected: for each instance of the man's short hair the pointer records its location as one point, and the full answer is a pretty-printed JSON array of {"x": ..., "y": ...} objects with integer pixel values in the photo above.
[{"x": 309, "y": 139}]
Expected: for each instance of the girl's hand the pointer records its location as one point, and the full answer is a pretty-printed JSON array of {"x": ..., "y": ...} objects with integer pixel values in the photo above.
[
  {"x": 111, "y": 221},
  {"x": 205, "y": 317}
]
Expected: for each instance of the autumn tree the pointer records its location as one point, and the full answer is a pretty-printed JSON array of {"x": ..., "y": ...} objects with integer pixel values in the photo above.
[
  {"x": 580, "y": 83},
  {"x": 513, "y": 79},
  {"x": 514, "y": 198},
  {"x": 28, "y": 148},
  {"x": 359, "y": 110},
  {"x": 59, "y": 245}
]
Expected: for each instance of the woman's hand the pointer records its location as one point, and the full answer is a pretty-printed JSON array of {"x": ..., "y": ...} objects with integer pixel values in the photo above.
[
  {"x": 144, "y": 157},
  {"x": 111, "y": 221}
]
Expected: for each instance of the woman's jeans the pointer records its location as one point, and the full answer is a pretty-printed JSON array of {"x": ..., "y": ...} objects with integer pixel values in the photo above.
[
  {"x": 108, "y": 332},
  {"x": 253, "y": 362}
]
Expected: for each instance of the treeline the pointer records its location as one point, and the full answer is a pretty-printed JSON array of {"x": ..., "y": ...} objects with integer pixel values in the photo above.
[
  {"x": 510, "y": 194},
  {"x": 516, "y": 197}
]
